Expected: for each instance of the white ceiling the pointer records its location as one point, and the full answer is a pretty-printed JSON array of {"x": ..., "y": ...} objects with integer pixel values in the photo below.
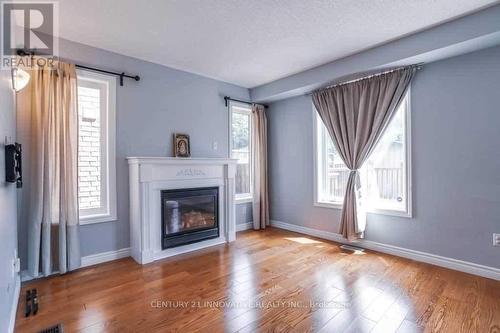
[{"x": 249, "y": 42}]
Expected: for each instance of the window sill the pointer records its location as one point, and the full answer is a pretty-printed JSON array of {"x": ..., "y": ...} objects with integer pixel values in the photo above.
[
  {"x": 243, "y": 200},
  {"x": 330, "y": 205},
  {"x": 92, "y": 219},
  {"x": 387, "y": 212},
  {"x": 397, "y": 213}
]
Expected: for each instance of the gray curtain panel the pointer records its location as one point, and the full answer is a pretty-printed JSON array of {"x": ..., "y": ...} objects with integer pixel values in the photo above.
[
  {"x": 356, "y": 115},
  {"x": 53, "y": 241},
  {"x": 260, "y": 184}
]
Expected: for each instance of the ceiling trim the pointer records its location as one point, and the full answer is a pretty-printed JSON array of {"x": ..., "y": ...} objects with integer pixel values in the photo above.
[{"x": 466, "y": 34}]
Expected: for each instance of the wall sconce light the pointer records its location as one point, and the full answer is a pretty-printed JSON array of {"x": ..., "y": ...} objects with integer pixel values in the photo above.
[{"x": 20, "y": 79}]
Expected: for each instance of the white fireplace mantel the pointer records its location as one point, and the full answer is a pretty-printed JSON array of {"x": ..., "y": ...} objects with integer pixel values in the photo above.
[{"x": 148, "y": 176}]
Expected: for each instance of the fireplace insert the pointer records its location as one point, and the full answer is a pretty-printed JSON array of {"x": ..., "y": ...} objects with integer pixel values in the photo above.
[{"x": 189, "y": 215}]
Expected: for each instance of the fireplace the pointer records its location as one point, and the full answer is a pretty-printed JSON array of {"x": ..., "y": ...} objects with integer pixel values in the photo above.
[
  {"x": 189, "y": 215},
  {"x": 152, "y": 181}
]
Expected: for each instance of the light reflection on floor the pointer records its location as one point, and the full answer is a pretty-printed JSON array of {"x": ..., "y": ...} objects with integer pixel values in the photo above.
[{"x": 302, "y": 240}]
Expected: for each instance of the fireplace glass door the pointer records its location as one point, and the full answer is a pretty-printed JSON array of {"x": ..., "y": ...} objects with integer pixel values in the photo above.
[{"x": 189, "y": 215}]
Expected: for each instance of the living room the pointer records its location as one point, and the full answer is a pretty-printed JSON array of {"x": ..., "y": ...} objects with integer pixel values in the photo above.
[{"x": 237, "y": 166}]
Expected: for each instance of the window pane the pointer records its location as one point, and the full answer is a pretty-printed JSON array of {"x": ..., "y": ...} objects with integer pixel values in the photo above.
[
  {"x": 243, "y": 178},
  {"x": 89, "y": 148},
  {"x": 240, "y": 136},
  {"x": 385, "y": 169},
  {"x": 336, "y": 173},
  {"x": 241, "y": 131}
]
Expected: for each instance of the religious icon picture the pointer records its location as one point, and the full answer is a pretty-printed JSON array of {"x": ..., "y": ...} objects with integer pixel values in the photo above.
[{"x": 181, "y": 145}]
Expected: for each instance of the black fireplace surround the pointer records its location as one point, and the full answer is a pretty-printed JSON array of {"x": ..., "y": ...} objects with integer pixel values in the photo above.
[{"x": 189, "y": 215}]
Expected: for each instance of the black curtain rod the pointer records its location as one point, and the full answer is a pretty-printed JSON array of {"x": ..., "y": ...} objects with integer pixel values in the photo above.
[
  {"x": 121, "y": 75},
  {"x": 227, "y": 98}
]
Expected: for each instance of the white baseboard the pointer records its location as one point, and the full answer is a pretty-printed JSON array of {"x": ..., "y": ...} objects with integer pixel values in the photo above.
[
  {"x": 309, "y": 231},
  {"x": 459, "y": 265},
  {"x": 99, "y": 258},
  {"x": 25, "y": 276},
  {"x": 15, "y": 301},
  {"x": 244, "y": 226},
  {"x": 90, "y": 260}
]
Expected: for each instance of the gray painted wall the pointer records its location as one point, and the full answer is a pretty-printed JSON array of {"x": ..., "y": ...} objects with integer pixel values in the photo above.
[
  {"x": 8, "y": 203},
  {"x": 148, "y": 112},
  {"x": 456, "y": 162}
]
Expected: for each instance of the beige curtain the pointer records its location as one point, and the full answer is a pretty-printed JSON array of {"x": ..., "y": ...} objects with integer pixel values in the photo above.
[
  {"x": 259, "y": 153},
  {"x": 53, "y": 242},
  {"x": 356, "y": 115}
]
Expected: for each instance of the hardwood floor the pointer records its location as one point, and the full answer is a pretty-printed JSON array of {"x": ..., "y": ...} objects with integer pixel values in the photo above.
[{"x": 272, "y": 280}]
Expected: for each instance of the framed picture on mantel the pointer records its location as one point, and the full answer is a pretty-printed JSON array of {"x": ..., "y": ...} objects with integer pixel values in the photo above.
[{"x": 181, "y": 145}]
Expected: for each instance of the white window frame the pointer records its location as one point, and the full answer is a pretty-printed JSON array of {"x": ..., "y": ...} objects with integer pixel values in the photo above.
[
  {"x": 408, "y": 163},
  {"x": 247, "y": 110},
  {"x": 108, "y": 150}
]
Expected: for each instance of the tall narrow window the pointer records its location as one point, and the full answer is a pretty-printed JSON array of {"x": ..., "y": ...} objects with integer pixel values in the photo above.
[
  {"x": 385, "y": 175},
  {"x": 240, "y": 121},
  {"x": 96, "y": 147}
]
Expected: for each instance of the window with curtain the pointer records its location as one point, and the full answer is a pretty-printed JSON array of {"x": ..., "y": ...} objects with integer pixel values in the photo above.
[
  {"x": 240, "y": 121},
  {"x": 385, "y": 175},
  {"x": 96, "y": 147}
]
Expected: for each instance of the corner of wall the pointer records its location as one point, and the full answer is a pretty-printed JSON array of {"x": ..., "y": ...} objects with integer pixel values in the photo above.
[{"x": 9, "y": 279}]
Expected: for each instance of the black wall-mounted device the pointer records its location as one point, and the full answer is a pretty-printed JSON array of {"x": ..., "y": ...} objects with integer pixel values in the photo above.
[{"x": 13, "y": 168}]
